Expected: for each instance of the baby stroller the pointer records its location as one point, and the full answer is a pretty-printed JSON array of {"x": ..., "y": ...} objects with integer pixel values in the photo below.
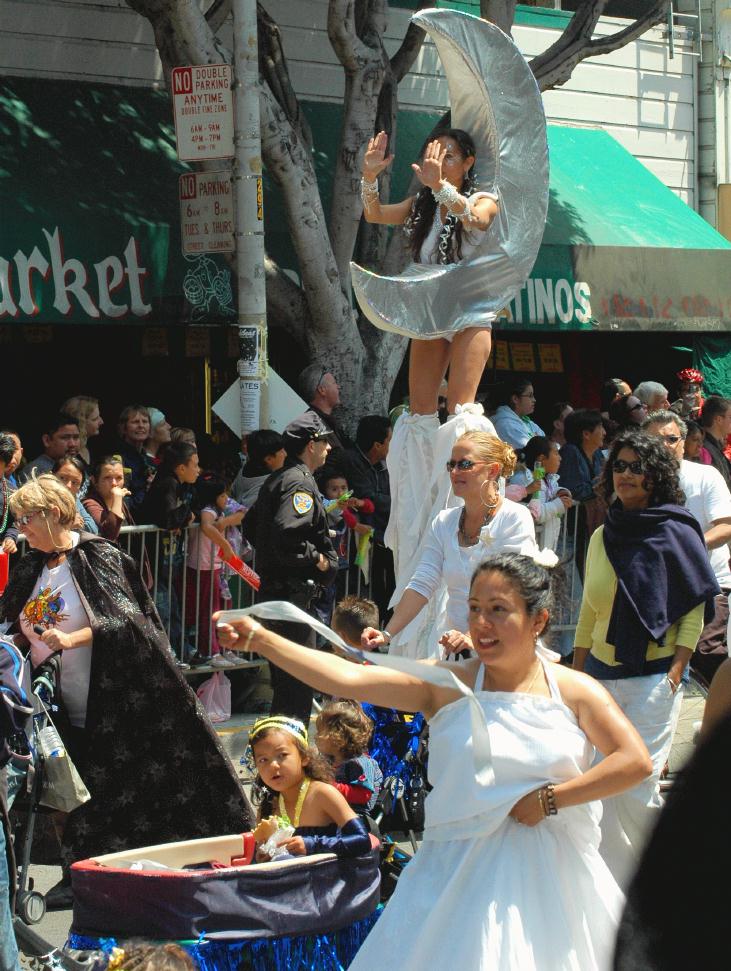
[
  {"x": 400, "y": 747},
  {"x": 22, "y": 717}
]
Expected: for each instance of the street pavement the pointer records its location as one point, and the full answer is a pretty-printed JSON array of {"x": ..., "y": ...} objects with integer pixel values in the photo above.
[{"x": 234, "y": 735}]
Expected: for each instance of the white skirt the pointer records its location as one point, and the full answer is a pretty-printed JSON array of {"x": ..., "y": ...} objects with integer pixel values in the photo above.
[{"x": 521, "y": 899}]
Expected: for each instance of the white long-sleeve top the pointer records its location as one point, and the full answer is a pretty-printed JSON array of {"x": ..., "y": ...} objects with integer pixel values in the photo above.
[
  {"x": 547, "y": 510},
  {"x": 444, "y": 561}
]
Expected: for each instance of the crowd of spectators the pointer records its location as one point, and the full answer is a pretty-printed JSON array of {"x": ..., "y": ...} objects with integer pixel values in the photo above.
[{"x": 150, "y": 473}]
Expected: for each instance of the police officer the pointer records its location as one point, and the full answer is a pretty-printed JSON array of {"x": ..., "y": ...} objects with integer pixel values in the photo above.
[{"x": 294, "y": 555}]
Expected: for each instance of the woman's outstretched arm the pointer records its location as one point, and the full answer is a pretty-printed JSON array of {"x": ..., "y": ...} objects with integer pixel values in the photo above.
[{"x": 334, "y": 675}]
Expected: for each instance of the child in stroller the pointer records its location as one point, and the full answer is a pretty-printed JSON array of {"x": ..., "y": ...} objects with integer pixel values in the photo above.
[
  {"x": 399, "y": 743},
  {"x": 343, "y": 734}
]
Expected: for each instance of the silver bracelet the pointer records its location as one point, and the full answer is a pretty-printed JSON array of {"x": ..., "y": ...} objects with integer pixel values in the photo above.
[
  {"x": 448, "y": 196},
  {"x": 388, "y": 635},
  {"x": 368, "y": 191}
]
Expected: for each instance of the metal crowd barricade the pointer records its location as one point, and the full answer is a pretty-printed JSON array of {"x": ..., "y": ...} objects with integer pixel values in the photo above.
[
  {"x": 571, "y": 587},
  {"x": 165, "y": 568},
  {"x": 166, "y": 561}
]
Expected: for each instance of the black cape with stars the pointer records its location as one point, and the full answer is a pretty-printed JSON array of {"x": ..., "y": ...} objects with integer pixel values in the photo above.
[{"x": 156, "y": 770}]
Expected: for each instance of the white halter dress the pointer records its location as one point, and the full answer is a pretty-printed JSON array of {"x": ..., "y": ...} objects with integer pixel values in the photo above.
[{"x": 484, "y": 892}]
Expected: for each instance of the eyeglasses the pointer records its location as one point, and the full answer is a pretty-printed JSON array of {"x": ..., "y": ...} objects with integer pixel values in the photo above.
[
  {"x": 462, "y": 465},
  {"x": 531, "y": 396},
  {"x": 671, "y": 439},
  {"x": 24, "y": 520},
  {"x": 619, "y": 465},
  {"x": 637, "y": 406}
]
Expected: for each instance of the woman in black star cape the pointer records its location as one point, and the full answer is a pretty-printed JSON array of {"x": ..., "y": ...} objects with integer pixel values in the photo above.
[{"x": 154, "y": 766}]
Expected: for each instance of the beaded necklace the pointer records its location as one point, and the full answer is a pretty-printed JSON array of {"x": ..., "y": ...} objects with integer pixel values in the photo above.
[
  {"x": 284, "y": 816},
  {"x": 471, "y": 539}
]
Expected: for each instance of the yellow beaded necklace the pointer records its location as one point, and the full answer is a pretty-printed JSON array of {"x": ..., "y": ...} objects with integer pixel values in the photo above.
[{"x": 283, "y": 815}]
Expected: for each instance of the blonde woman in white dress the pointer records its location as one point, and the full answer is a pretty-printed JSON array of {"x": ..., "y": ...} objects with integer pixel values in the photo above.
[
  {"x": 509, "y": 876},
  {"x": 430, "y": 614}
]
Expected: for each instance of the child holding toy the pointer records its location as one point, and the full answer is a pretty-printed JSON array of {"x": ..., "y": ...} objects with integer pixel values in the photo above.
[{"x": 549, "y": 502}]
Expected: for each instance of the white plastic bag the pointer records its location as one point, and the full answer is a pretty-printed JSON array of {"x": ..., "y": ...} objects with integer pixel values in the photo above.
[
  {"x": 273, "y": 848},
  {"x": 215, "y": 695}
]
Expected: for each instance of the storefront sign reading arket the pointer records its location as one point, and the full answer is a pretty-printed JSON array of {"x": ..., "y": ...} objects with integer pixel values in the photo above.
[
  {"x": 111, "y": 287},
  {"x": 204, "y": 114},
  {"x": 206, "y": 212}
]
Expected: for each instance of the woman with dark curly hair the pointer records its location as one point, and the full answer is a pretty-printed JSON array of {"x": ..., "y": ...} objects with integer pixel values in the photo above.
[{"x": 648, "y": 590}]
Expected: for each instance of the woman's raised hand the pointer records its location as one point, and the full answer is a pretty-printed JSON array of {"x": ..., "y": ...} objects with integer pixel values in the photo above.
[
  {"x": 375, "y": 159},
  {"x": 429, "y": 173}
]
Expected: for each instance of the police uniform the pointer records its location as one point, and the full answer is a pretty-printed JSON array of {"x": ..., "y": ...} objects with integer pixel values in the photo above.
[{"x": 289, "y": 531}]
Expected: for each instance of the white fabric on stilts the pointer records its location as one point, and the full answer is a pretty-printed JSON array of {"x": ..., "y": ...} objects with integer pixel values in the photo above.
[
  {"x": 410, "y": 464},
  {"x": 420, "y": 489}
]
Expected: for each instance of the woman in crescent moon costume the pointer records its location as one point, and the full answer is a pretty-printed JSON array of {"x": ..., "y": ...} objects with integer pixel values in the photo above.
[
  {"x": 443, "y": 222},
  {"x": 475, "y": 227}
]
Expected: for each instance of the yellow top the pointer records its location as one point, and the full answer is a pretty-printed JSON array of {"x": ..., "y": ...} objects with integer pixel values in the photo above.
[{"x": 600, "y": 587}]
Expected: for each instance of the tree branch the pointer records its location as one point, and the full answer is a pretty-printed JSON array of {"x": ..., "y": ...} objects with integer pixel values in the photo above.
[
  {"x": 556, "y": 64},
  {"x": 356, "y": 31},
  {"x": 342, "y": 33},
  {"x": 182, "y": 35},
  {"x": 499, "y": 12},
  {"x": 657, "y": 14},
  {"x": 290, "y": 165},
  {"x": 403, "y": 60},
  {"x": 273, "y": 66},
  {"x": 217, "y": 14}
]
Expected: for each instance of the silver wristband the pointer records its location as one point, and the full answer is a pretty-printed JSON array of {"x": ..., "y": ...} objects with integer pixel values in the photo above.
[
  {"x": 368, "y": 191},
  {"x": 387, "y": 635},
  {"x": 448, "y": 196}
]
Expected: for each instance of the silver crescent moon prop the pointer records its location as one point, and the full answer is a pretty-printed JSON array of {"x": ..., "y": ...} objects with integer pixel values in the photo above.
[{"x": 495, "y": 98}]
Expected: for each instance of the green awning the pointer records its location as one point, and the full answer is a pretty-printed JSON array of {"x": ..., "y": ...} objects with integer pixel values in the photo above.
[
  {"x": 90, "y": 224},
  {"x": 621, "y": 251}
]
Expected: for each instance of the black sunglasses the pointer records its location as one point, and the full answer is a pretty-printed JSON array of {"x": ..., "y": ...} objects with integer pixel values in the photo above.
[
  {"x": 462, "y": 465},
  {"x": 619, "y": 465}
]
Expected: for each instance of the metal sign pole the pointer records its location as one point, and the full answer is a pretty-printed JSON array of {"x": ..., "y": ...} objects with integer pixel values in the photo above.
[{"x": 249, "y": 233}]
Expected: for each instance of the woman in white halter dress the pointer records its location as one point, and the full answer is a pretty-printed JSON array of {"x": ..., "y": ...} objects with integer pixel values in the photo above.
[{"x": 500, "y": 882}]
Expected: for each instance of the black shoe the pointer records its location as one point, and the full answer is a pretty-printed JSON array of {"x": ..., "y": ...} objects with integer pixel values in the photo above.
[{"x": 61, "y": 896}]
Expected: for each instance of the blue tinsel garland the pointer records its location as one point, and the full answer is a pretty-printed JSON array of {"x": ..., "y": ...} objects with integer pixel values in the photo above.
[
  {"x": 320, "y": 952},
  {"x": 395, "y": 742}
]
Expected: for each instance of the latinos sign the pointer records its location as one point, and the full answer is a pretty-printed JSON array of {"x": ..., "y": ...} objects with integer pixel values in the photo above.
[
  {"x": 203, "y": 108},
  {"x": 206, "y": 212}
]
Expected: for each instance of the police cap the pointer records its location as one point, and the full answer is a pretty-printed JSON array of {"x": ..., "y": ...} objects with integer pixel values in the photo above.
[{"x": 307, "y": 428}]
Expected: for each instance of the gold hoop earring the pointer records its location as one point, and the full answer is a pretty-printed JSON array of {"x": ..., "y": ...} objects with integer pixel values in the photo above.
[{"x": 494, "y": 498}]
